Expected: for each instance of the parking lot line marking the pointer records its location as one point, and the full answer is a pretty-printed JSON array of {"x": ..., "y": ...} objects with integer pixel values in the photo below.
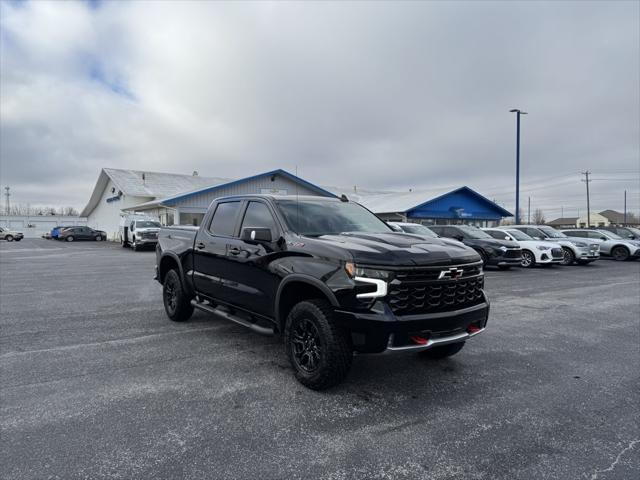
[{"x": 95, "y": 344}]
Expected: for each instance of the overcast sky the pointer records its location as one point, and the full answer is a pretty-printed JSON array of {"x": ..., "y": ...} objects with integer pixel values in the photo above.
[{"x": 379, "y": 95}]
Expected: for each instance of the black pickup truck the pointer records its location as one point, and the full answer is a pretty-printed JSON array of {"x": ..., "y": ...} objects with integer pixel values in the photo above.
[{"x": 328, "y": 275}]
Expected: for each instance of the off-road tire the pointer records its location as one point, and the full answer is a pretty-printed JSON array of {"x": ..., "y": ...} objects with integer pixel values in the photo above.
[
  {"x": 568, "y": 257},
  {"x": 9, "y": 238},
  {"x": 620, "y": 254},
  {"x": 176, "y": 304},
  {"x": 331, "y": 344},
  {"x": 444, "y": 351},
  {"x": 531, "y": 259}
]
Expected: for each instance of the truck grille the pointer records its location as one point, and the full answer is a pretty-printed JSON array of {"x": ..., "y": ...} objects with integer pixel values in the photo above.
[
  {"x": 410, "y": 298},
  {"x": 151, "y": 235},
  {"x": 557, "y": 253}
]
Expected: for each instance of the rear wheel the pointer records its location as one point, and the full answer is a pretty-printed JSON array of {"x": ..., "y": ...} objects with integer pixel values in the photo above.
[
  {"x": 444, "y": 351},
  {"x": 568, "y": 256},
  {"x": 176, "y": 303},
  {"x": 318, "y": 349},
  {"x": 620, "y": 254},
  {"x": 528, "y": 259},
  {"x": 9, "y": 238}
]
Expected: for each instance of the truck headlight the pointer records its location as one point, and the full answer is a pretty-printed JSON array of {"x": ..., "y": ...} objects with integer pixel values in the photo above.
[{"x": 376, "y": 280}]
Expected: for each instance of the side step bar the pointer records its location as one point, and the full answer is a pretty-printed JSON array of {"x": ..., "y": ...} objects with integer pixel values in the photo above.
[{"x": 234, "y": 318}]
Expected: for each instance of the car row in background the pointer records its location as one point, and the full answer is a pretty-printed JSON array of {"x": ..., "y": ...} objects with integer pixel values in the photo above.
[
  {"x": 534, "y": 252},
  {"x": 73, "y": 233},
  {"x": 610, "y": 243},
  {"x": 10, "y": 235}
]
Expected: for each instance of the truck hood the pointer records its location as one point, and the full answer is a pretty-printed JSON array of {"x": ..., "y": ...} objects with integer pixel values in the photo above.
[{"x": 396, "y": 249}]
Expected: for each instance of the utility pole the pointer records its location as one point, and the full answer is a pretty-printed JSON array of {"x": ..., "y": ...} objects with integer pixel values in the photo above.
[
  {"x": 586, "y": 180},
  {"x": 518, "y": 113},
  {"x": 7, "y": 202},
  {"x": 624, "y": 223},
  {"x": 529, "y": 211},
  {"x": 561, "y": 211}
]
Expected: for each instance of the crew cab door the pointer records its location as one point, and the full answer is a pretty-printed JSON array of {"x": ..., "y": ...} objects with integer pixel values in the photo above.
[
  {"x": 249, "y": 280},
  {"x": 213, "y": 241}
]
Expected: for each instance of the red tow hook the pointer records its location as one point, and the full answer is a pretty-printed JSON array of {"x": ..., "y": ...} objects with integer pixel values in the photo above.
[
  {"x": 418, "y": 340},
  {"x": 471, "y": 329}
]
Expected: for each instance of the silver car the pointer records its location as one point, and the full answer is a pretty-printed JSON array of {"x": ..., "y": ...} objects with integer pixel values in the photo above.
[
  {"x": 9, "y": 235},
  {"x": 611, "y": 244}
]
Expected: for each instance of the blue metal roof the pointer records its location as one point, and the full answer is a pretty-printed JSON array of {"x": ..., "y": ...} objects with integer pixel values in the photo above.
[
  {"x": 279, "y": 171},
  {"x": 461, "y": 203}
]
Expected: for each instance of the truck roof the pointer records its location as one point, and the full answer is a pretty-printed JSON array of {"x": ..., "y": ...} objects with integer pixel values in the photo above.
[{"x": 279, "y": 197}]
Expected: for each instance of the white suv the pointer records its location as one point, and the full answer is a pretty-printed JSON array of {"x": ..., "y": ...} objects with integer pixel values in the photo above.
[
  {"x": 574, "y": 250},
  {"x": 534, "y": 252}
]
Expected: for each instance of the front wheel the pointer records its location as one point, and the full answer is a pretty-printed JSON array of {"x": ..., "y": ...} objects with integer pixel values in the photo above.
[
  {"x": 69, "y": 239},
  {"x": 444, "y": 351},
  {"x": 318, "y": 349},
  {"x": 176, "y": 303},
  {"x": 620, "y": 254},
  {"x": 568, "y": 257},
  {"x": 528, "y": 259},
  {"x": 134, "y": 245},
  {"x": 9, "y": 238},
  {"x": 98, "y": 238}
]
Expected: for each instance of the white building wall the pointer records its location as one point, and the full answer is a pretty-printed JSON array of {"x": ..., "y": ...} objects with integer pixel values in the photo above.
[
  {"x": 106, "y": 215},
  {"x": 34, "y": 226}
]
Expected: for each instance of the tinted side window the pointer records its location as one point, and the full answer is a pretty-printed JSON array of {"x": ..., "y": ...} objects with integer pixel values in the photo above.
[
  {"x": 224, "y": 219},
  {"x": 258, "y": 215},
  {"x": 498, "y": 235},
  {"x": 594, "y": 235},
  {"x": 576, "y": 234}
]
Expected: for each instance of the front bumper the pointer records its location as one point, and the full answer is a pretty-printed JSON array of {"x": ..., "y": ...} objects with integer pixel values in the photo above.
[
  {"x": 379, "y": 331},
  {"x": 146, "y": 241}
]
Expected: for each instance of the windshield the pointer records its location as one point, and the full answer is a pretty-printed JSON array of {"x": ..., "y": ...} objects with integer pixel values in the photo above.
[
  {"x": 147, "y": 224},
  {"x": 518, "y": 235},
  {"x": 633, "y": 230},
  {"x": 419, "y": 230},
  {"x": 552, "y": 232},
  {"x": 471, "y": 232},
  {"x": 326, "y": 217}
]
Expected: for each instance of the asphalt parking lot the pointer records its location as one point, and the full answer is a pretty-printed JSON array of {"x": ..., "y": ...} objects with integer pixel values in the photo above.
[{"x": 97, "y": 383}]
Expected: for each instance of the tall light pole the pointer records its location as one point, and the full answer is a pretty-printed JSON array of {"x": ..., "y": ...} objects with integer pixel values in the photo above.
[{"x": 518, "y": 112}]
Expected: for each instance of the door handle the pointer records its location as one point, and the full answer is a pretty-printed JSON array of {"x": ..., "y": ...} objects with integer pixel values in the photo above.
[
  {"x": 200, "y": 245},
  {"x": 234, "y": 251}
]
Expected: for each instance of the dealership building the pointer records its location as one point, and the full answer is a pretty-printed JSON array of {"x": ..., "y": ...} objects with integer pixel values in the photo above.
[{"x": 176, "y": 199}]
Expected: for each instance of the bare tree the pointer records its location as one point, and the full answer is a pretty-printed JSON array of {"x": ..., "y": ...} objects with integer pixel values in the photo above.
[
  {"x": 538, "y": 217},
  {"x": 71, "y": 211}
]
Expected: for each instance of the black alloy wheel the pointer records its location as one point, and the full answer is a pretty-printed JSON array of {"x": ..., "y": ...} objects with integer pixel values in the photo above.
[{"x": 307, "y": 347}]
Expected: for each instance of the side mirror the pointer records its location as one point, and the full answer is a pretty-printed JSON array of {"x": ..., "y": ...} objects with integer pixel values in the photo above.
[
  {"x": 458, "y": 237},
  {"x": 256, "y": 235}
]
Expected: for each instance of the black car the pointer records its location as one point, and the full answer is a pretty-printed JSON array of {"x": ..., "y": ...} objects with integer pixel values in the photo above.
[
  {"x": 328, "y": 275},
  {"x": 72, "y": 234},
  {"x": 500, "y": 253},
  {"x": 628, "y": 233}
]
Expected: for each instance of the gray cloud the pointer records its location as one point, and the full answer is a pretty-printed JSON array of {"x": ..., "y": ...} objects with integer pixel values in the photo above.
[{"x": 380, "y": 95}]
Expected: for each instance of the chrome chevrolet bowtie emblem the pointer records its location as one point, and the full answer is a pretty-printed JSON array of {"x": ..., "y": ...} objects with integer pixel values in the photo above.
[{"x": 451, "y": 273}]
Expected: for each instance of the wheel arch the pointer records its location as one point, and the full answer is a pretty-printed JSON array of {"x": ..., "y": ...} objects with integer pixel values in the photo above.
[{"x": 295, "y": 288}]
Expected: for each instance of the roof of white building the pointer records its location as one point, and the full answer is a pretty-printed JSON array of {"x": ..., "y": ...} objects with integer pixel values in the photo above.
[{"x": 145, "y": 184}]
